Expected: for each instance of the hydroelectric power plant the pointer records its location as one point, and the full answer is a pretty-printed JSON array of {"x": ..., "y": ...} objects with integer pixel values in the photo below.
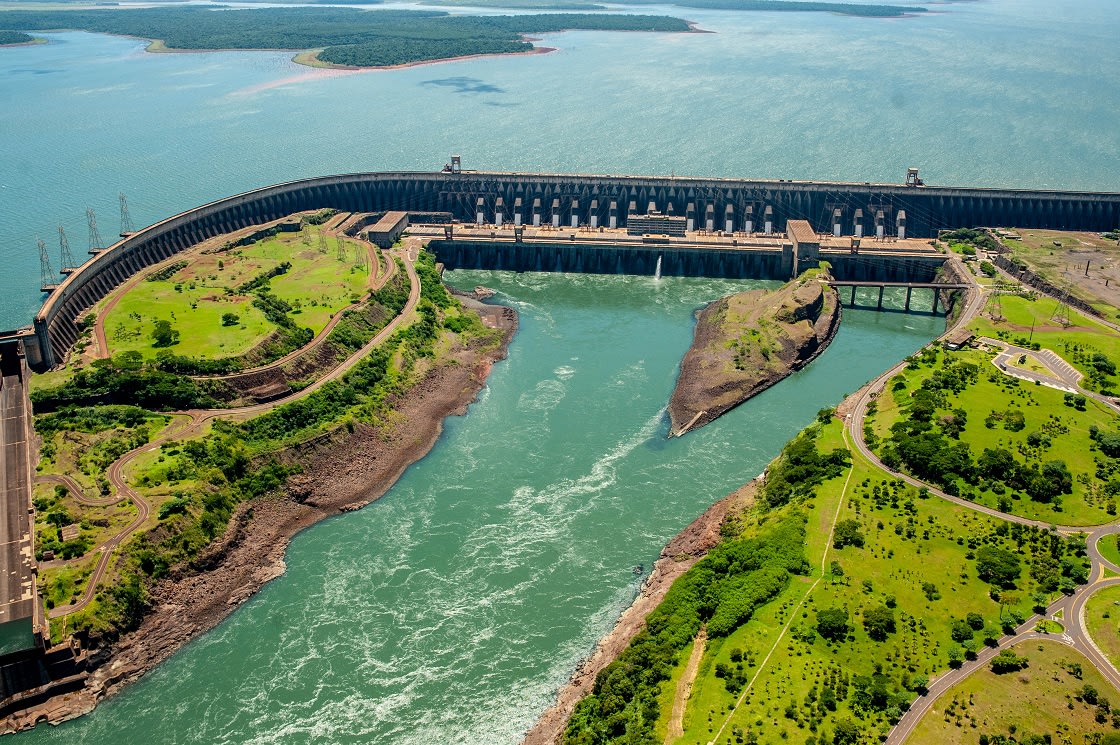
[
  {"x": 578, "y": 223},
  {"x": 876, "y": 234}
]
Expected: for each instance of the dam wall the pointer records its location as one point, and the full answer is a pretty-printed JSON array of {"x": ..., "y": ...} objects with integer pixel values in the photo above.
[
  {"x": 729, "y": 205},
  {"x": 581, "y": 258}
]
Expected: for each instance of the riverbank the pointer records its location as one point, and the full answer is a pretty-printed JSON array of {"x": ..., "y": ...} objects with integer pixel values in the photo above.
[
  {"x": 678, "y": 556},
  {"x": 342, "y": 471}
]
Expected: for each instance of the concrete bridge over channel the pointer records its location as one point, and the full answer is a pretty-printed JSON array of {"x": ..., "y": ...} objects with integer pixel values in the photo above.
[{"x": 733, "y": 210}]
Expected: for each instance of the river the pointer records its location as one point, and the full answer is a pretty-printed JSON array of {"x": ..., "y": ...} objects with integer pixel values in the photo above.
[{"x": 451, "y": 609}]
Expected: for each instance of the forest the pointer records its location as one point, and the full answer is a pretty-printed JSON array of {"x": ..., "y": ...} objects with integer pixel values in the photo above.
[
  {"x": 14, "y": 37},
  {"x": 347, "y": 36}
]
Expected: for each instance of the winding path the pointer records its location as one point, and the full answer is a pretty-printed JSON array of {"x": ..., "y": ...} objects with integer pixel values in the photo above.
[
  {"x": 198, "y": 418},
  {"x": 1070, "y": 608}
]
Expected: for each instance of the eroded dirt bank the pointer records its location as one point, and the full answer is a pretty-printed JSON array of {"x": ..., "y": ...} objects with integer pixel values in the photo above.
[
  {"x": 335, "y": 479},
  {"x": 678, "y": 556}
]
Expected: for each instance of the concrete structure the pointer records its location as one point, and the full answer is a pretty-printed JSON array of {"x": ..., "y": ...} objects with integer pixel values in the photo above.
[
  {"x": 388, "y": 229},
  {"x": 569, "y": 200},
  {"x": 655, "y": 223},
  {"x": 17, "y": 586}
]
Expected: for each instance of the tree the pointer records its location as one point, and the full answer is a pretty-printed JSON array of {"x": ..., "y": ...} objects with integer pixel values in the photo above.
[
  {"x": 163, "y": 335},
  {"x": 996, "y": 463},
  {"x": 832, "y": 623},
  {"x": 975, "y": 620},
  {"x": 960, "y": 631},
  {"x": 847, "y": 533},
  {"x": 879, "y": 622},
  {"x": 230, "y": 319},
  {"x": 847, "y": 733},
  {"x": 1007, "y": 662},
  {"x": 997, "y": 566}
]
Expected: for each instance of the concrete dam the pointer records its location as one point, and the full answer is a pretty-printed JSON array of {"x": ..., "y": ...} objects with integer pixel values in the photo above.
[{"x": 546, "y": 222}]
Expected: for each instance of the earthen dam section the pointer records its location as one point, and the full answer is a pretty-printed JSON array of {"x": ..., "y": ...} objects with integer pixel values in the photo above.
[{"x": 722, "y": 207}]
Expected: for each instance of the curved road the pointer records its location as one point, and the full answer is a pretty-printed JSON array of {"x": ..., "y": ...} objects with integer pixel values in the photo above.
[
  {"x": 1071, "y": 608},
  {"x": 200, "y": 417}
]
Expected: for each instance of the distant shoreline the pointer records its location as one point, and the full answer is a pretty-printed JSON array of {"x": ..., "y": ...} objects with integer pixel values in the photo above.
[
  {"x": 35, "y": 40},
  {"x": 311, "y": 59}
]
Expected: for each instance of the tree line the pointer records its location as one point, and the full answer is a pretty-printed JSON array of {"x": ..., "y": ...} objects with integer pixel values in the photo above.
[{"x": 347, "y": 36}]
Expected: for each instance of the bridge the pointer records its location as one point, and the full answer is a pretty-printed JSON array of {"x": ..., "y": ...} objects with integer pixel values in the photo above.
[
  {"x": 936, "y": 287},
  {"x": 729, "y": 209}
]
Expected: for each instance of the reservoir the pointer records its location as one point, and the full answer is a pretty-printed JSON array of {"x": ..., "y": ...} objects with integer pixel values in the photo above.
[{"x": 450, "y": 610}]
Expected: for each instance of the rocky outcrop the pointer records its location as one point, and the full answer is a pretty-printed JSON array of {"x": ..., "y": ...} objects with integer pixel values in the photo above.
[{"x": 747, "y": 342}]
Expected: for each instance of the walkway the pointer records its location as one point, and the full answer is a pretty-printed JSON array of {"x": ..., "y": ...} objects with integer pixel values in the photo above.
[
  {"x": 1071, "y": 608},
  {"x": 198, "y": 418}
]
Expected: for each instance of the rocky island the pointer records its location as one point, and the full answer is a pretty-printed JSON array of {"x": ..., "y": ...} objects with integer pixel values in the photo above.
[{"x": 747, "y": 342}]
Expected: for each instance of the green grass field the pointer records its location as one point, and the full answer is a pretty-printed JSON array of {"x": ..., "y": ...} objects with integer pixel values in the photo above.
[
  {"x": 910, "y": 542},
  {"x": 1109, "y": 549},
  {"x": 1045, "y": 698},
  {"x": 1044, "y": 410},
  {"x": 195, "y": 298},
  {"x": 1102, "y": 618},
  {"x": 1021, "y": 315}
]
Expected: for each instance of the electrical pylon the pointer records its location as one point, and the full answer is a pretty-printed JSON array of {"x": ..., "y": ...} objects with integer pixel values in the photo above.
[
  {"x": 96, "y": 245},
  {"x": 323, "y": 241},
  {"x": 69, "y": 264},
  {"x": 126, "y": 219},
  {"x": 1061, "y": 310},
  {"x": 47, "y": 280}
]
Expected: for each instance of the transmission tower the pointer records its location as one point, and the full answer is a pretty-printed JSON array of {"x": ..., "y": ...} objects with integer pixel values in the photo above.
[
  {"x": 322, "y": 241},
  {"x": 68, "y": 262},
  {"x": 1061, "y": 310},
  {"x": 340, "y": 249},
  {"x": 995, "y": 305},
  {"x": 126, "y": 219},
  {"x": 47, "y": 280},
  {"x": 95, "y": 243},
  {"x": 359, "y": 255}
]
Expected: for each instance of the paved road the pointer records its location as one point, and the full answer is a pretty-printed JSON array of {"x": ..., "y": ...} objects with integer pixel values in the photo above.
[
  {"x": 1071, "y": 608},
  {"x": 198, "y": 418},
  {"x": 1063, "y": 375},
  {"x": 17, "y": 594}
]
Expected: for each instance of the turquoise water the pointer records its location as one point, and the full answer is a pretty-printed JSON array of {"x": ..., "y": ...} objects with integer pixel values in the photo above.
[
  {"x": 451, "y": 610},
  {"x": 999, "y": 92}
]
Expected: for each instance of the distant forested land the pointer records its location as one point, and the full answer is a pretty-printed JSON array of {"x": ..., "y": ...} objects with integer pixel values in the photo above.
[
  {"x": 14, "y": 37},
  {"x": 848, "y": 9},
  {"x": 348, "y": 36}
]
